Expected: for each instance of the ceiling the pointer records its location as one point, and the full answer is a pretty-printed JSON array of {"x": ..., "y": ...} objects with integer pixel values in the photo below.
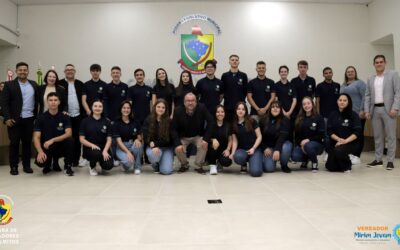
[{"x": 38, "y": 2}]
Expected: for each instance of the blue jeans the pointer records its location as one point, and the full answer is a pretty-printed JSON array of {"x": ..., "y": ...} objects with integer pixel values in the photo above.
[
  {"x": 255, "y": 161},
  {"x": 123, "y": 157},
  {"x": 269, "y": 165},
  {"x": 165, "y": 159},
  {"x": 312, "y": 150}
]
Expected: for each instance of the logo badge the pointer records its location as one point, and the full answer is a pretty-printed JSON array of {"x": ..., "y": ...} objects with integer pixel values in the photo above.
[
  {"x": 268, "y": 88},
  {"x": 313, "y": 126},
  {"x": 100, "y": 90},
  {"x": 5, "y": 210},
  {"x": 123, "y": 93},
  {"x": 396, "y": 233},
  {"x": 290, "y": 93},
  {"x": 104, "y": 129},
  {"x": 60, "y": 126}
]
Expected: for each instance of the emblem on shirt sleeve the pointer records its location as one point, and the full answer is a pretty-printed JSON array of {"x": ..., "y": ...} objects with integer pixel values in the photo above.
[
  {"x": 104, "y": 129},
  {"x": 60, "y": 126}
]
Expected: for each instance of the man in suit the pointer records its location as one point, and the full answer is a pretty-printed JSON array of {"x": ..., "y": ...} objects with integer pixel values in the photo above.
[
  {"x": 382, "y": 104},
  {"x": 19, "y": 103},
  {"x": 75, "y": 110}
]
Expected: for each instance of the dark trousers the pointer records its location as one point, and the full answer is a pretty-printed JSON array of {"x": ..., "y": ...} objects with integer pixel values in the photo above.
[
  {"x": 21, "y": 132},
  {"x": 58, "y": 150},
  {"x": 75, "y": 125},
  {"x": 94, "y": 156},
  {"x": 361, "y": 139},
  {"x": 214, "y": 155},
  {"x": 338, "y": 157}
]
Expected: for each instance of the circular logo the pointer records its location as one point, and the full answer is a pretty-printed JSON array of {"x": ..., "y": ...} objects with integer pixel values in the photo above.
[
  {"x": 396, "y": 233},
  {"x": 6, "y": 203}
]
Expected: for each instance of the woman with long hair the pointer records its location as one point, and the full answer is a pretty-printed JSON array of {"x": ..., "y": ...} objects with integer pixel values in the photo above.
[
  {"x": 164, "y": 89},
  {"x": 51, "y": 85},
  {"x": 275, "y": 127},
  {"x": 309, "y": 134},
  {"x": 95, "y": 135},
  {"x": 129, "y": 139},
  {"x": 185, "y": 86},
  {"x": 246, "y": 137},
  {"x": 344, "y": 128},
  {"x": 157, "y": 135}
]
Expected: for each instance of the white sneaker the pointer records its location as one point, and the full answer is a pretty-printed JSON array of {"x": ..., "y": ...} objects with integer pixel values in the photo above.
[
  {"x": 348, "y": 171},
  {"x": 355, "y": 160},
  {"x": 83, "y": 162},
  {"x": 137, "y": 171},
  {"x": 326, "y": 157},
  {"x": 92, "y": 171},
  {"x": 213, "y": 170},
  {"x": 116, "y": 163}
]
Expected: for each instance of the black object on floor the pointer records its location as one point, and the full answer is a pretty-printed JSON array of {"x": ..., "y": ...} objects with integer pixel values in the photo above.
[{"x": 219, "y": 201}]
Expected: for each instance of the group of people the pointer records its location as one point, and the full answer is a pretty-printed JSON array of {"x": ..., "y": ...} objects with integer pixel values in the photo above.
[{"x": 96, "y": 123}]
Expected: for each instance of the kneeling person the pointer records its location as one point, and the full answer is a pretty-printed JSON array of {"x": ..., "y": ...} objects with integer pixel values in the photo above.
[{"x": 52, "y": 137}]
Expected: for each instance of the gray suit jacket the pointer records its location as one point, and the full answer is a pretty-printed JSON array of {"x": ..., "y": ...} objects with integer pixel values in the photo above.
[{"x": 391, "y": 92}]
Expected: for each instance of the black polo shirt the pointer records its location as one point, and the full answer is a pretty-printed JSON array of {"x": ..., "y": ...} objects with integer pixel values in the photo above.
[
  {"x": 261, "y": 90},
  {"x": 116, "y": 93},
  {"x": 246, "y": 139},
  {"x": 274, "y": 134},
  {"x": 96, "y": 131},
  {"x": 180, "y": 96},
  {"x": 235, "y": 88},
  {"x": 312, "y": 128},
  {"x": 209, "y": 91},
  {"x": 342, "y": 126},
  {"x": 285, "y": 93},
  {"x": 126, "y": 131},
  {"x": 94, "y": 90},
  {"x": 140, "y": 95},
  {"x": 304, "y": 88},
  {"x": 221, "y": 134},
  {"x": 328, "y": 94},
  {"x": 166, "y": 92},
  {"x": 51, "y": 126}
]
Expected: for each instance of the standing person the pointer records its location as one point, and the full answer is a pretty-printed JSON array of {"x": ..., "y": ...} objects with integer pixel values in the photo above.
[
  {"x": 1, "y": 90},
  {"x": 95, "y": 135},
  {"x": 51, "y": 85},
  {"x": 157, "y": 135},
  {"x": 275, "y": 129},
  {"x": 185, "y": 86},
  {"x": 74, "y": 88},
  {"x": 344, "y": 127},
  {"x": 261, "y": 91},
  {"x": 235, "y": 87},
  {"x": 221, "y": 143},
  {"x": 309, "y": 135},
  {"x": 246, "y": 141},
  {"x": 128, "y": 134},
  {"x": 19, "y": 102},
  {"x": 210, "y": 89},
  {"x": 192, "y": 124},
  {"x": 116, "y": 92},
  {"x": 305, "y": 84},
  {"x": 355, "y": 88},
  {"x": 52, "y": 137},
  {"x": 382, "y": 104},
  {"x": 94, "y": 89},
  {"x": 164, "y": 89},
  {"x": 140, "y": 94}
]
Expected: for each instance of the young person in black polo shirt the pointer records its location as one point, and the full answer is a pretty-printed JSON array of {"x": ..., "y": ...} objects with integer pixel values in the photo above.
[
  {"x": 261, "y": 91},
  {"x": 140, "y": 95},
  {"x": 164, "y": 89},
  {"x": 127, "y": 132},
  {"x": 192, "y": 124},
  {"x": 221, "y": 143},
  {"x": 210, "y": 89},
  {"x": 344, "y": 127},
  {"x": 94, "y": 89},
  {"x": 305, "y": 85},
  {"x": 275, "y": 129},
  {"x": 185, "y": 86},
  {"x": 52, "y": 137},
  {"x": 73, "y": 88},
  {"x": 309, "y": 135},
  {"x": 116, "y": 92},
  {"x": 95, "y": 135},
  {"x": 235, "y": 87}
]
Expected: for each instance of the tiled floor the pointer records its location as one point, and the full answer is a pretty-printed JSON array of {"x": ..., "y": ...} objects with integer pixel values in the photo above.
[{"x": 300, "y": 210}]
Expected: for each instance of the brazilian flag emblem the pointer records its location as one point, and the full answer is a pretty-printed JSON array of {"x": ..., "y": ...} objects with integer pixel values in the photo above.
[{"x": 195, "y": 51}]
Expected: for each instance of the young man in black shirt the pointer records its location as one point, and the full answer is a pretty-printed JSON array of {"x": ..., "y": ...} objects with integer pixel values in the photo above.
[
  {"x": 94, "y": 89},
  {"x": 305, "y": 85},
  {"x": 52, "y": 137},
  {"x": 116, "y": 92},
  {"x": 235, "y": 87},
  {"x": 327, "y": 93}
]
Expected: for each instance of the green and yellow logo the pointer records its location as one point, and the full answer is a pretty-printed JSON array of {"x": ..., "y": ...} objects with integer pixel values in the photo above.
[
  {"x": 195, "y": 51},
  {"x": 5, "y": 212}
]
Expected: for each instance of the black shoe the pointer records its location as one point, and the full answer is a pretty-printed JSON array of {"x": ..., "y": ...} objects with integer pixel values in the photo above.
[
  {"x": 243, "y": 169},
  {"x": 56, "y": 167},
  {"x": 219, "y": 167},
  {"x": 156, "y": 168},
  {"x": 28, "y": 170},
  {"x": 375, "y": 163},
  {"x": 389, "y": 166},
  {"x": 14, "y": 171},
  {"x": 46, "y": 170},
  {"x": 286, "y": 169},
  {"x": 183, "y": 169},
  {"x": 200, "y": 170},
  {"x": 68, "y": 171},
  {"x": 304, "y": 165}
]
